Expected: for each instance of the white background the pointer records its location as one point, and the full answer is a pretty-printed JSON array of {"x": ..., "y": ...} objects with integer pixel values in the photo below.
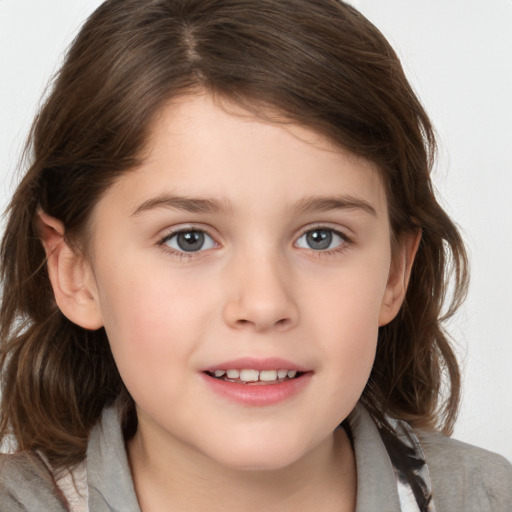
[{"x": 458, "y": 55}]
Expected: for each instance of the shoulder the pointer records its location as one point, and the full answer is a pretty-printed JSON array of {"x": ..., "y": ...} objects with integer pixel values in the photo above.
[
  {"x": 25, "y": 485},
  {"x": 465, "y": 477}
]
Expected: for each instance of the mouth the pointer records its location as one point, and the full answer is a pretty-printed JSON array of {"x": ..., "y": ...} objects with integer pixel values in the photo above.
[
  {"x": 257, "y": 382},
  {"x": 255, "y": 377}
]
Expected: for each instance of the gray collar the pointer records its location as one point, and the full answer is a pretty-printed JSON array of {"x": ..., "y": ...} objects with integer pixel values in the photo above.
[
  {"x": 376, "y": 481},
  {"x": 108, "y": 472}
]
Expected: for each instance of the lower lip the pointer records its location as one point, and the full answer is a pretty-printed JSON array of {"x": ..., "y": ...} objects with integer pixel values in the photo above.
[{"x": 260, "y": 395}]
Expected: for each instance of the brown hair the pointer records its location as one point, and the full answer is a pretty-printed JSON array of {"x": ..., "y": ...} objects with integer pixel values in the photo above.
[{"x": 317, "y": 63}]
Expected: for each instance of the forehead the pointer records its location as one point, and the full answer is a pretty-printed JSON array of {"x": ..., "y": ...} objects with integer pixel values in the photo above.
[{"x": 200, "y": 147}]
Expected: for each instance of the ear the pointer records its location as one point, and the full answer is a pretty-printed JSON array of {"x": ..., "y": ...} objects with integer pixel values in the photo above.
[
  {"x": 399, "y": 274},
  {"x": 71, "y": 277}
]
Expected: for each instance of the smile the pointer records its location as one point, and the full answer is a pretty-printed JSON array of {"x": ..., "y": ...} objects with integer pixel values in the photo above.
[
  {"x": 250, "y": 376},
  {"x": 273, "y": 383}
]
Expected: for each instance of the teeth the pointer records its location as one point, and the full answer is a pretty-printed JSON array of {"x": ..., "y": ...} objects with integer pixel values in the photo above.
[
  {"x": 268, "y": 375},
  {"x": 248, "y": 375}
]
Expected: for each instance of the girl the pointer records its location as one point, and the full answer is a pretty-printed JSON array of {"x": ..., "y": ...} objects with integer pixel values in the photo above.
[{"x": 224, "y": 275}]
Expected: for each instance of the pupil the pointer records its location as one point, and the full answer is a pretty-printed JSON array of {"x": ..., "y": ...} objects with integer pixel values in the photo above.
[
  {"x": 190, "y": 241},
  {"x": 319, "y": 239}
]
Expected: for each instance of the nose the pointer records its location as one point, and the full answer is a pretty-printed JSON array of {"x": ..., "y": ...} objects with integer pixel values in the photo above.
[{"x": 260, "y": 295}]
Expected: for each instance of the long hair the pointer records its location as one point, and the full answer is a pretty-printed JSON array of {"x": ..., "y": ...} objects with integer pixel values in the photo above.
[{"x": 318, "y": 63}]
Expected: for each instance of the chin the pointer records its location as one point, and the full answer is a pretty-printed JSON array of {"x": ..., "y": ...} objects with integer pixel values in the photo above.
[{"x": 260, "y": 454}]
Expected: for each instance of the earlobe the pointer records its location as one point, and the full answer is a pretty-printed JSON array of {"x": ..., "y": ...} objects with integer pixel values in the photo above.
[
  {"x": 398, "y": 279},
  {"x": 71, "y": 278}
]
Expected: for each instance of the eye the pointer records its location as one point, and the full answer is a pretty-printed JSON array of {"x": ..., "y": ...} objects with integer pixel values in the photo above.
[
  {"x": 191, "y": 240},
  {"x": 321, "y": 239}
]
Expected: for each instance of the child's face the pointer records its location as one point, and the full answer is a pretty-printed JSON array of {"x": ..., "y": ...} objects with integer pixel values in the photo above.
[{"x": 240, "y": 244}]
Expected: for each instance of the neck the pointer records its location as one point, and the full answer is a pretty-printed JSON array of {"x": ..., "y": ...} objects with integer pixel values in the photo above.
[{"x": 179, "y": 479}]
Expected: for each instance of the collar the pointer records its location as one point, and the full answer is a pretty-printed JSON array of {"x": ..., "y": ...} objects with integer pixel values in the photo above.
[
  {"x": 376, "y": 482},
  {"x": 108, "y": 472}
]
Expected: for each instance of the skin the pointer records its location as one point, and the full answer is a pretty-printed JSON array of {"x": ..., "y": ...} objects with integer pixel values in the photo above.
[{"x": 256, "y": 289}]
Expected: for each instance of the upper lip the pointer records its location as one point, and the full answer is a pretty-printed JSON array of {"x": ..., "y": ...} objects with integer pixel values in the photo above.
[{"x": 251, "y": 363}]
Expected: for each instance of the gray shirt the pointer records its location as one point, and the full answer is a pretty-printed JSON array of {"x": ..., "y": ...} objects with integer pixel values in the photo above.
[{"x": 464, "y": 478}]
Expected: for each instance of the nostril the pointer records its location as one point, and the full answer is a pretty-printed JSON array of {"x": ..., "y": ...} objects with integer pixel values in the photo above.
[{"x": 279, "y": 323}]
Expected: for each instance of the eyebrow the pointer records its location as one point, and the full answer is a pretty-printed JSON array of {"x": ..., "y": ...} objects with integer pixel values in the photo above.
[
  {"x": 324, "y": 204},
  {"x": 188, "y": 204},
  {"x": 209, "y": 205}
]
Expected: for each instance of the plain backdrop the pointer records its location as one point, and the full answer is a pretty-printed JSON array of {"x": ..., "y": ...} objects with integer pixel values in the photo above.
[{"x": 458, "y": 56}]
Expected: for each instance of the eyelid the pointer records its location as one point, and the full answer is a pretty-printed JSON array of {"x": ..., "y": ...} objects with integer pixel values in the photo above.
[
  {"x": 345, "y": 233},
  {"x": 187, "y": 226}
]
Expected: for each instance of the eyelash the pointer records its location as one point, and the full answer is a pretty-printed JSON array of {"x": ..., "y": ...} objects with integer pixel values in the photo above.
[{"x": 342, "y": 247}]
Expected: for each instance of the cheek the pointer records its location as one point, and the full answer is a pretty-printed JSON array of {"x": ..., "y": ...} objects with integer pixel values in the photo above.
[
  {"x": 348, "y": 299},
  {"x": 349, "y": 354},
  {"x": 351, "y": 339},
  {"x": 345, "y": 316},
  {"x": 153, "y": 325}
]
